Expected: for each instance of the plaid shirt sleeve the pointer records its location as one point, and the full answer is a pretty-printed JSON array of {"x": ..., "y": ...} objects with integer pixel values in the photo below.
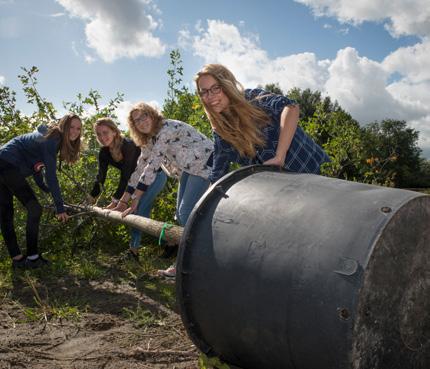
[
  {"x": 224, "y": 154},
  {"x": 304, "y": 155}
]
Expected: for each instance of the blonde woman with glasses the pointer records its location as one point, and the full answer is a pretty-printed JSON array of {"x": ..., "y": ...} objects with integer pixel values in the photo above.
[{"x": 254, "y": 126}]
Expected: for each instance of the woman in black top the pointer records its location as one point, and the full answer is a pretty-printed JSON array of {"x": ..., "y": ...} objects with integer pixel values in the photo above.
[{"x": 122, "y": 153}]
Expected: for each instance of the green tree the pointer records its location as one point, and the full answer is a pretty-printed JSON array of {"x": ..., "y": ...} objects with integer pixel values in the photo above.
[
  {"x": 181, "y": 103},
  {"x": 391, "y": 149},
  {"x": 422, "y": 179},
  {"x": 178, "y": 104},
  {"x": 273, "y": 88},
  {"x": 340, "y": 136},
  {"x": 384, "y": 153},
  {"x": 310, "y": 101},
  {"x": 11, "y": 122}
]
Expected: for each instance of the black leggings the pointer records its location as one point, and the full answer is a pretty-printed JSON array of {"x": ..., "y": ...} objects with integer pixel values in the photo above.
[{"x": 13, "y": 183}]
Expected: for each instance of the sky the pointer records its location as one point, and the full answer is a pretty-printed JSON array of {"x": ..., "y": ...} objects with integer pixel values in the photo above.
[{"x": 372, "y": 56}]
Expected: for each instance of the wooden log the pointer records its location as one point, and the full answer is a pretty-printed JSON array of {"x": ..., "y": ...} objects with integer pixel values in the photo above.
[{"x": 171, "y": 234}]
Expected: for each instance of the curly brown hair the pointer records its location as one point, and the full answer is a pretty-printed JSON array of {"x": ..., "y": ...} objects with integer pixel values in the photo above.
[{"x": 141, "y": 139}]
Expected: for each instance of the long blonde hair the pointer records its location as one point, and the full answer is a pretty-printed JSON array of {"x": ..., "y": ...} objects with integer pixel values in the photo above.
[
  {"x": 69, "y": 150},
  {"x": 141, "y": 139},
  {"x": 241, "y": 124},
  {"x": 115, "y": 150}
]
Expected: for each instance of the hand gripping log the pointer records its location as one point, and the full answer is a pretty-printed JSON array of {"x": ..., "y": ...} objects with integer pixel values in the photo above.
[{"x": 172, "y": 233}]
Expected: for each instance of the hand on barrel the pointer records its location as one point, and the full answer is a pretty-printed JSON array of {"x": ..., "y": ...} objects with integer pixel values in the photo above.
[{"x": 274, "y": 161}]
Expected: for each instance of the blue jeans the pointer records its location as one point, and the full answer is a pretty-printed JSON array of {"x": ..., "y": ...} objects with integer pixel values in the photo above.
[
  {"x": 190, "y": 189},
  {"x": 145, "y": 205}
]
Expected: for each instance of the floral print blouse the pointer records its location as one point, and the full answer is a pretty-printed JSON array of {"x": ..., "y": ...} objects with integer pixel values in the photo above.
[{"x": 177, "y": 147}]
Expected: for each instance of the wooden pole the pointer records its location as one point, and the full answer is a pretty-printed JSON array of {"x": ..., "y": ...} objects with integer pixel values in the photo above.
[{"x": 171, "y": 233}]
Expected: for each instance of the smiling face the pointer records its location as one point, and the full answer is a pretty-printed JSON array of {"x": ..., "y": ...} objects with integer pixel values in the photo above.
[
  {"x": 142, "y": 121},
  {"x": 105, "y": 135},
  {"x": 212, "y": 94},
  {"x": 75, "y": 129}
]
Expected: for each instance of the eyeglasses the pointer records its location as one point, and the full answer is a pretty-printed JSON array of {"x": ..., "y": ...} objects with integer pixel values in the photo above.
[
  {"x": 214, "y": 90},
  {"x": 141, "y": 118}
]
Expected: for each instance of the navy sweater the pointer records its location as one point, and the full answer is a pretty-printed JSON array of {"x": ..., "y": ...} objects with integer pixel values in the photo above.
[
  {"x": 130, "y": 153},
  {"x": 28, "y": 152}
]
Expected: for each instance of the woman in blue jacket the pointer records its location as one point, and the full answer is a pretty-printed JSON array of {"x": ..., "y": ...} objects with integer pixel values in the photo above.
[{"x": 26, "y": 155}]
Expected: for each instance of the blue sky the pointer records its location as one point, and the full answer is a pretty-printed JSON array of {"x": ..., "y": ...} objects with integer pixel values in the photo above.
[{"x": 371, "y": 56}]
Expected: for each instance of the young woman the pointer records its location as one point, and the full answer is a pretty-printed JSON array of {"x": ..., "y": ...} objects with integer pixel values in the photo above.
[
  {"x": 122, "y": 153},
  {"x": 26, "y": 155},
  {"x": 254, "y": 126},
  {"x": 170, "y": 143}
]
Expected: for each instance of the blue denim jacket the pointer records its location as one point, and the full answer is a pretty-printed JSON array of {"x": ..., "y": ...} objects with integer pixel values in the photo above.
[
  {"x": 29, "y": 150},
  {"x": 303, "y": 156}
]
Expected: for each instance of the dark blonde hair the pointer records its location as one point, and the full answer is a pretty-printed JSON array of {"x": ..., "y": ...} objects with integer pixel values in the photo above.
[
  {"x": 115, "y": 150},
  {"x": 241, "y": 124},
  {"x": 69, "y": 150},
  {"x": 141, "y": 139}
]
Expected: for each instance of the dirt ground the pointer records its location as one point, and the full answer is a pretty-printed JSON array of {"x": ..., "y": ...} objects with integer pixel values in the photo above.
[{"x": 101, "y": 338}]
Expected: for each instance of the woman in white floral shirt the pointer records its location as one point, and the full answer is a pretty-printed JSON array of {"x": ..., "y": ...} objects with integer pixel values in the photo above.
[{"x": 175, "y": 145}]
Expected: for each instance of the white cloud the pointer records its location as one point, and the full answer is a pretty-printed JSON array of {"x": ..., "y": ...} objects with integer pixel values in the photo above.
[
  {"x": 2, "y": 80},
  {"x": 89, "y": 59},
  {"x": 184, "y": 38},
  {"x": 74, "y": 48},
  {"x": 360, "y": 85},
  {"x": 412, "y": 61},
  {"x": 117, "y": 29},
  {"x": 416, "y": 94},
  {"x": 410, "y": 96},
  {"x": 422, "y": 125},
  {"x": 122, "y": 113},
  {"x": 223, "y": 43},
  {"x": 401, "y": 17}
]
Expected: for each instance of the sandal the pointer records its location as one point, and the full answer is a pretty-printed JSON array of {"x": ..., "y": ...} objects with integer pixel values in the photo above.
[{"x": 170, "y": 272}]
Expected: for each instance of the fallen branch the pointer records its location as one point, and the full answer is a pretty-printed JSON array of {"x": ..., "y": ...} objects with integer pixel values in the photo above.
[{"x": 170, "y": 233}]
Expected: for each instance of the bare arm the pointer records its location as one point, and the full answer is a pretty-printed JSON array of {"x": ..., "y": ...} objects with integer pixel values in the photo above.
[{"x": 288, "y": 126}]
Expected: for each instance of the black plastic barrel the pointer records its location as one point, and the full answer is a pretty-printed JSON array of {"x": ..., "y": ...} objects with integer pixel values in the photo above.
[{"x": 282, "y": 270}]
